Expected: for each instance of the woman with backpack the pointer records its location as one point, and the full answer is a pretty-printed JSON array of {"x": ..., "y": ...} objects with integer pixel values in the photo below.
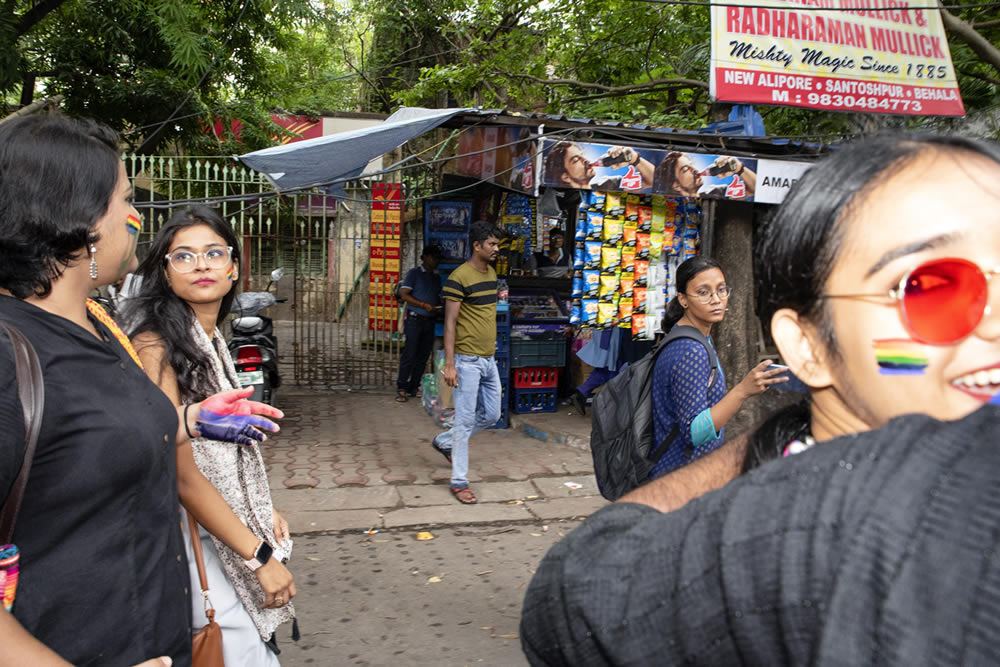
[{"x": 690, "y": 403}]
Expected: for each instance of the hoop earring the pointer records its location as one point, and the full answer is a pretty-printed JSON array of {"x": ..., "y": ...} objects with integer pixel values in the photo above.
[{"x": 93, "y": 262}]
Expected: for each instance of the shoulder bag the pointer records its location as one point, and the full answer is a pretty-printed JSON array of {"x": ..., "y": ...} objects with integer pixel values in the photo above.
[
  {"x": 31, "y": 392},
  {"x": 206, "y": 645}
]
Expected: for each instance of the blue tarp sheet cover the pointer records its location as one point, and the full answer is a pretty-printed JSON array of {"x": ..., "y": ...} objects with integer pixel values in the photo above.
[{"x": 327, "y": 162}]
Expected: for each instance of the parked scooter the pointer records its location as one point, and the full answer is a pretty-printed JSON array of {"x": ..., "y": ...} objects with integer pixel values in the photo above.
[{"x": 253, "y": 345}]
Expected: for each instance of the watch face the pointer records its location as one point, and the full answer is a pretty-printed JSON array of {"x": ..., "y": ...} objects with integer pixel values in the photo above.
[{"x": 263, "y": 554}]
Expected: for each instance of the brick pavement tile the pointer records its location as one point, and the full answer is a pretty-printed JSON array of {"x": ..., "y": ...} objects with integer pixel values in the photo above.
[
  {"x": 303, "y": 523},
  {"x": 348, "y": 479},
  {"x": 318, "y": 500},
  {"x": 300, "y": 481},
  {"x": 455, "y": 513},
  {"x": 555, "y": 487},
  {"x": 393, "y": 478},
  {"x": 566, "y": 508},
  {"x": 499, "y": 492}
]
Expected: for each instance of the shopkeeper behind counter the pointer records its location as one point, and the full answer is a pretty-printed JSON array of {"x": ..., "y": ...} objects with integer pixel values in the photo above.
[{"x": 555, "y": 262}]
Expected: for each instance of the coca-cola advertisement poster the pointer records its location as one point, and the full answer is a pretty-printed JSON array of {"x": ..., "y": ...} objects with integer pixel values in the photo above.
[{"x": 613, "y": 168}]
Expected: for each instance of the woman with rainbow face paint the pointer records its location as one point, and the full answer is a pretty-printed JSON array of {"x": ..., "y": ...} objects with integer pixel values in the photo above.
[
  {"x": 189, "y": 282},
  {"x": 875, "y": 279}
]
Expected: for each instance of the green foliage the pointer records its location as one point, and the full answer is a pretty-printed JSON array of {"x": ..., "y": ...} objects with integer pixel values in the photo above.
[
  {"x": 633, "y": 62},
  {"x": 133, "y": 64}
]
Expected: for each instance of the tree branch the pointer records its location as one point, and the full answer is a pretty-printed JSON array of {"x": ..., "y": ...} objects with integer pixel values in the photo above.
[
  {"x": 688, "y": 83},
  {"x": 983, "y": 77},
  {"x": 985, "y": 24},
  {"x": 33, "y": 16},
  {"x": 965, "y": 32}
]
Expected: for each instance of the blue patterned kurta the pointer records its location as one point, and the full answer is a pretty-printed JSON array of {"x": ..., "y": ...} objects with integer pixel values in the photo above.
[{"x": 681, "y": 396}]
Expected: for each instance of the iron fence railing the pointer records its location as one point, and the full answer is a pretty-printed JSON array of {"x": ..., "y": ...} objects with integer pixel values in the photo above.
[{"x": 321, "y": 242}]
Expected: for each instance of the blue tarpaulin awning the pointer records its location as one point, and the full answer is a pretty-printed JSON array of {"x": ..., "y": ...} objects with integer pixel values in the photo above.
[{"x": 328, "y": 162}]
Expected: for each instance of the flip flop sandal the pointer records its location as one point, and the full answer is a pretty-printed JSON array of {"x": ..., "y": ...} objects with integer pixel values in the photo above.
[
  {"x": 401, "y": 397},
  {"x": 464, "y": 495},
  {"x": 443, "y": 452}
]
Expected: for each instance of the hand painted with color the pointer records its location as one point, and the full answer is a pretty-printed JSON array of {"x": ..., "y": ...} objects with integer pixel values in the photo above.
[{"x": 229, "y": 417}]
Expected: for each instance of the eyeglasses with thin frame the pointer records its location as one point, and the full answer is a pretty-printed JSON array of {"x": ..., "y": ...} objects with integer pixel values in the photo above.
[
  {"x": 705, "y": 295},
  {"x": 941, "y": 301},
  {"x": 185, "y": 261}
]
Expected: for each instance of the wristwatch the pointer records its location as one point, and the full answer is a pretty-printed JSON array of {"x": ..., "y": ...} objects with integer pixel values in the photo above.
[{"x": 261, "y": 555}]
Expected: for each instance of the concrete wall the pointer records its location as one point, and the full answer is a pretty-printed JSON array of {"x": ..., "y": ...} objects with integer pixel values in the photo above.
[{"x": 737, "y": 336}]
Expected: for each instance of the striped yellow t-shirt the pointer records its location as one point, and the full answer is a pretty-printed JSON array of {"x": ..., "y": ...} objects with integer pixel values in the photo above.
[{"x": 476, "y": 329}]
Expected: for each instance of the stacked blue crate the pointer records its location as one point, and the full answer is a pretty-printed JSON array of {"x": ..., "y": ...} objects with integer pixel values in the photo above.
[{"x": 502, "y": 357}]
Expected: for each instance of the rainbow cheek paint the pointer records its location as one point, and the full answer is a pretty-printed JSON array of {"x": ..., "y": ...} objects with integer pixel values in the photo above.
[
  {"x": 899, "y": 356},
  {"x": 230, "y": 273},
  {"x": 133, "y": 225}
]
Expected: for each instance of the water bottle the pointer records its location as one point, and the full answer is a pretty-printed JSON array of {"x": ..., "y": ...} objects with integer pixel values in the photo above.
[{"x": 502, "y": 292}]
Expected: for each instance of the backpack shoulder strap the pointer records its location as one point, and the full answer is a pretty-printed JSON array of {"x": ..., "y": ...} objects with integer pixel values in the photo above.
[{"x": 684, "y": 331}]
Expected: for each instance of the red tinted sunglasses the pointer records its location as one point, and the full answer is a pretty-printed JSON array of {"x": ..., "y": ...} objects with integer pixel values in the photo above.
[{"x": 941, "y": 301}]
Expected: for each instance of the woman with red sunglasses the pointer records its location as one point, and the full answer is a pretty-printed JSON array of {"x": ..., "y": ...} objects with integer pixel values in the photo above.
[{"x": 874, "y": 279}]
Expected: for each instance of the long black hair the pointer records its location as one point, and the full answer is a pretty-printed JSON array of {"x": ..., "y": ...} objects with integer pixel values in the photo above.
[
  {"x": 158, "y": 310},
  {"x": 57, "y": 176},
  {"x": 797, "y": 248},
  {"x": 688, "y": 269}
]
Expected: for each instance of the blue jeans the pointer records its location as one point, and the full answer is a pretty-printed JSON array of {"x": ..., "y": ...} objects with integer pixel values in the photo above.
[{"x": 477, "y": 406}]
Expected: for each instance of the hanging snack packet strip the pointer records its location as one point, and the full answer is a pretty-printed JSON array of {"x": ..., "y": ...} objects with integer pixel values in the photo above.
[
  {"x": 609, "y": 287},
  {"x": 589, "y": 312},
  {"x": 606, "y": 314},
  {"x": 613, "y": 229}
]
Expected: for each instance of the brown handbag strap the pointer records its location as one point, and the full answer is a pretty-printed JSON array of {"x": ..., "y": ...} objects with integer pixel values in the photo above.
[
  {"x": 31, "y": 392},
  {"x": 200, "y": 562}
]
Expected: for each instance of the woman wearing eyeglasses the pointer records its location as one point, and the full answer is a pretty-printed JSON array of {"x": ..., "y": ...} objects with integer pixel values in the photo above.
[
  {"x": 877, "y": 291},
  {"x": 189, "y": 281},
  {"x": 690, "y": 403}
]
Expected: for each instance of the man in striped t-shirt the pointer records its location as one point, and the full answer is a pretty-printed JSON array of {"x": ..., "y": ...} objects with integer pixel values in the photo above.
[{"x": 470, "y": 332}]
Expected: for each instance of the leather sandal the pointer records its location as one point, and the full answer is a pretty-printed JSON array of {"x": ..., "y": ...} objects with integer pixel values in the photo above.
[{"x": 464, "y": 495}]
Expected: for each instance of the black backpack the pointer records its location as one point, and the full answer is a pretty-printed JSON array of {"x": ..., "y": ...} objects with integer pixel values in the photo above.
[{"x": 621, "y": 437}]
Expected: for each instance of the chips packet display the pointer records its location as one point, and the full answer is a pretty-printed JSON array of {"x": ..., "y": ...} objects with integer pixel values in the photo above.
[
  {"x": 642, "y": 241},
  {"x": 638, "y": 325},
  {"x": 595, "y": 226},
  {"x": 596, "y": 199},
  {"x": 613, "y": 229},
  {"x": 609, "y": 287},
  {"x": 632, "y": 207},
  {"x": 629, "y": 232},
  {"x": 576, "y": 312},
  {"x": 611, "y": 258},
  {"x": 577, "y": 285},
  {"x": 579, "y": 255},
  {"x": 645, "y": 219},
  {"x": 591, "y": 283},
  {"x": 625, "y": 284},
  {"x": 589, "y": 312},
  {"x": 592, "y": 258},
  {"x": 580, "y": 234},
  {"x": 639, "y": 300},
  {"x": 628, "y": 259},
  {"x": 625, "y": 313},
  {"x": 655, "y": 245},
  {"x": 641, "y": 272},
  {"x": 607, "y": 312},
  {"x": 613, "y": 205}
]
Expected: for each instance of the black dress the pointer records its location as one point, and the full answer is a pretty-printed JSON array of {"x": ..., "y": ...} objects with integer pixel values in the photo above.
[{"x": 104, "y": 579}]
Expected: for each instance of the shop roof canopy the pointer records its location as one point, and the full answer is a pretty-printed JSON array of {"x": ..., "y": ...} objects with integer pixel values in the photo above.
[{"x": 328, "y": 162}]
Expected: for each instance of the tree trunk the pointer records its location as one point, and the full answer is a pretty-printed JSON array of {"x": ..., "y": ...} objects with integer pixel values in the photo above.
[{"x": 965, "y": 32}]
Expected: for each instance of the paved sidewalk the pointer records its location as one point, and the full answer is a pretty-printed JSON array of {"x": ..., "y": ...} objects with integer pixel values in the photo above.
[{"x": 350, "y": 461}]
